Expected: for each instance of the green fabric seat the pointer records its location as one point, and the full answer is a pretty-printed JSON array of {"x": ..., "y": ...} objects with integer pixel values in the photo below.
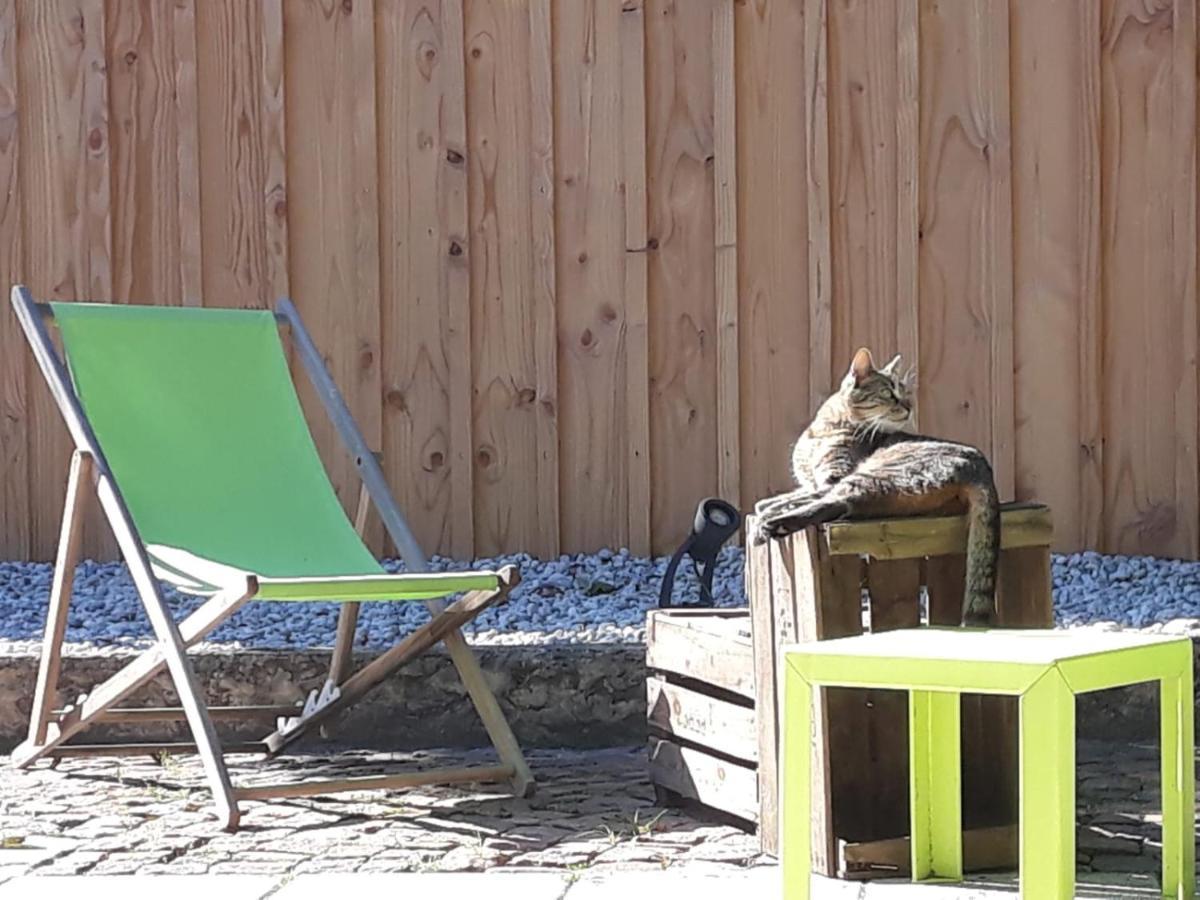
[{"x": 199, "y": 421}]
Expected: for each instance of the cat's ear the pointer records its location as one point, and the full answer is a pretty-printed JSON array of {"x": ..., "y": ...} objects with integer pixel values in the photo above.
[
  {"x": 890, "y": 368},
  {"x": 862, "y": 365}
]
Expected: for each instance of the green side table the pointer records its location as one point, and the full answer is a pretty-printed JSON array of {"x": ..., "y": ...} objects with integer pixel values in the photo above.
[{"x": 1046, "y": 669}]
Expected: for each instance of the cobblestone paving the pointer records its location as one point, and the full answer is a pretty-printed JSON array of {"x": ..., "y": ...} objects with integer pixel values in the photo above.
[{"x": 594, "y": 812}]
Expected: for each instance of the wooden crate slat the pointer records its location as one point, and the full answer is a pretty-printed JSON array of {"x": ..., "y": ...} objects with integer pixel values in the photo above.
[
  {"x": 894, "y": 586},
  {"x": 700, "y": 776},
  {"x": 688, "y": 714},
  {"x": 989, "y": 848},
  {"x": 1024, "y": 525},
  {"x": 876, "y": 805},
  {"x": 827, "y": 595},
  {"x": 699, "y": 650},
  {"x": 758, "y": 581}
]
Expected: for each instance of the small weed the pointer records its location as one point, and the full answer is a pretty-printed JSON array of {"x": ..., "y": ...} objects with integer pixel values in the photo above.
[{"x": 641, "y": 829}]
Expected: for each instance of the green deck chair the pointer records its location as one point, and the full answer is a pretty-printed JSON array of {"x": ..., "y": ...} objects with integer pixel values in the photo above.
[{"x": 189, "y": 433}]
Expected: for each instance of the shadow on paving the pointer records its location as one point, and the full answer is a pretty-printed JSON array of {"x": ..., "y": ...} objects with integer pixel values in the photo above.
[{"x": 594, "y": 811}]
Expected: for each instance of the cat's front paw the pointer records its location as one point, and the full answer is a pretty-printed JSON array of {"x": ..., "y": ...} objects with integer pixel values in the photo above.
[{"x": 774, "y": 529}]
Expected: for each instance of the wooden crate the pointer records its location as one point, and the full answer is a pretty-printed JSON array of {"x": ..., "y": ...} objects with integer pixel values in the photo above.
[
  {"x": 700, "y": 709},
  {"x": 850, "y": 577}
]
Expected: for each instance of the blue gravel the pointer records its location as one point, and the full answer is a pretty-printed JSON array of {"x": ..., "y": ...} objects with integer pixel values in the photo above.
[
  {"x": 601, "y": 597},
  {"x": 592, "y": 598}
]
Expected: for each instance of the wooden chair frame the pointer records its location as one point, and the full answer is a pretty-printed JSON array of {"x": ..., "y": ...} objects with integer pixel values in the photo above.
[{"x": 90, "y": 479}]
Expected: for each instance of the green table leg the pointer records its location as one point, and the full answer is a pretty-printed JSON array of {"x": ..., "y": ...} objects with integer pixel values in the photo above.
[
  {"x": 795, "y": 776},
  {"x": 1178, "y": 782},
  {"x": 1047, "y": 823},
  {"x": 935, "y": 785}
]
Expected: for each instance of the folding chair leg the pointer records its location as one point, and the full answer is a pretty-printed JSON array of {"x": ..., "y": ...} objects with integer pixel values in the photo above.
[
  {"x": 343, "y": 647},
  {"x": 489, "y": 711},
  {"x": 79, "y": 486},
  {"x": 167, "y": 631}
]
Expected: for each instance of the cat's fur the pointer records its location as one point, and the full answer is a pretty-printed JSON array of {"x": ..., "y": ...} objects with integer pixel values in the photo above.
[{"x": 855, "y": 459}]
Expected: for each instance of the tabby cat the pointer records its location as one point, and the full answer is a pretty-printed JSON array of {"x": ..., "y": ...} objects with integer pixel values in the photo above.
[{"x": 855, "y": 459}]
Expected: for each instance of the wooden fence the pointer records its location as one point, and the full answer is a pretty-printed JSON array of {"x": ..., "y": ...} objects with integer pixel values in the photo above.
[{"x": 578, "y": 263}]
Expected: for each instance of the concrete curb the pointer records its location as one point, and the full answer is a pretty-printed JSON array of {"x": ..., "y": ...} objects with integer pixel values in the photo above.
[{"x": 577, "y": 696}]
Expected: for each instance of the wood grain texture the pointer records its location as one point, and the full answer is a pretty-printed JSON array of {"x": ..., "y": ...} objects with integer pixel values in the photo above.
[
  {"x": 725, "y": 253},
  {"x": 966, "y": 235},
  {"x": 1056, "y": 299},
  {"x": 147, "y": 236},
  {"x": 683, "y": 389},
  {"x": 503, "y": 327},
  {"x": 333, "y": 238},
  {"x": 773, "y": 322},
  {"x": 14, "y": 357},
  {"x": 590, "y": 222},
  {"x": 544, "y": 297},
  {"x": 235, "y": 270},
  {"x": 187, "y": 154},
  {"x": 817, "y": 183},
  {"x": 424, "y": 282},
  {"x": 908, "y": 169},
  {"x": 64, "y": 166},
  {"x": 1148, "y": 249},
  {"x": 863, "y": 175},
  {"x": 274, "y": 160},
  {"x": 1000, "y": 190},
  {"x": 637, "y": 341}
]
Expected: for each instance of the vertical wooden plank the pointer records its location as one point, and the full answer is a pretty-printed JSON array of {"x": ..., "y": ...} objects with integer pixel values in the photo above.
[
  {"x": 826, "y": 593},
  {"x": 544, "y": 297},
  {"x": 333, "y": 236},
  {"x": 236, "y": 267},
  {"x": 1056, "y": 213},
  {"x": 894, "y": 587},
  {"x": 64, "y": 166},
  {"x": 503, "y": 328},
  {"x": 679, "y": 119},
  {"x": 773, "y": 235},
  {"x": 725, "y": 252},
  {"x": 14, "y": 391},
  {"x": 965, "y": 265},
  {"x": 873, "y": 142},
  {"x": 908, "y": 167},
  {"x": 637, "y": 348},
  {"x": 589, "y": 122},
  {"x": 458, "y": 285},
  {"x": 864, "y": 169},
  {"x": 187, "y": 154},
  {"x": 1147, "y": 224},
  {"x": 146, "y": 233},
  {"x": 816, "y": 170},
  {"x": 945, "y": 582},
  {"x": 766, "y": 701},
  {"x": 272, "y": 129},
  {"x": 423, "y": 272}
]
